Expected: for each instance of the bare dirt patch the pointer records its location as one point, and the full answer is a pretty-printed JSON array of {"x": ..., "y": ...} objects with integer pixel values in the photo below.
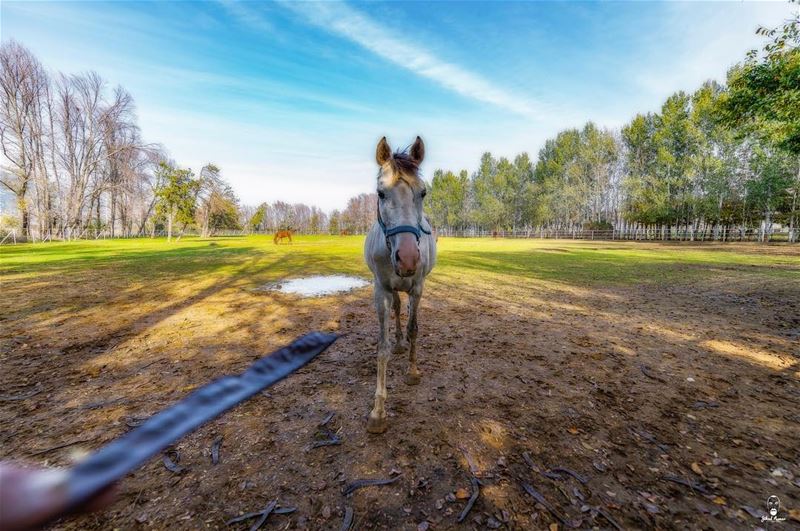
[{"x": 677, "y": 403}]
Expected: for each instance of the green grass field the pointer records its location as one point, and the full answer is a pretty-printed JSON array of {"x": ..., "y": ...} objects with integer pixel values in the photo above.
[{"x": 574, "y": 262}]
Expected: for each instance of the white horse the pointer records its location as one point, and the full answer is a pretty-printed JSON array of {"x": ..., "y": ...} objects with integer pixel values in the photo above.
[{"x": 400, "y": 251}]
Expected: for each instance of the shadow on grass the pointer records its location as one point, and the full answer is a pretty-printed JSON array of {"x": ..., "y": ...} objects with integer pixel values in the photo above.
[
  {"x": 597, "y": 265},
  {"x": 194, "y": 259},
  {"x": 54, "y": 289}
]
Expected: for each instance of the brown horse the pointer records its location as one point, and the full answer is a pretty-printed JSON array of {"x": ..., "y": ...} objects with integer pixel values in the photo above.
[{"x": 281, "y": 234}]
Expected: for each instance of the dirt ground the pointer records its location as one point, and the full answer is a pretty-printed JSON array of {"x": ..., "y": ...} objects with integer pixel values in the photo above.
[{"x": 677, "y": 403}]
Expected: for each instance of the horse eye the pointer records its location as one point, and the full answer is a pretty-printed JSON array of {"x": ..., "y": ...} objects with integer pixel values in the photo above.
[
  {"x": 381, "y": 194},
  {"x": 423, "y": 193}
]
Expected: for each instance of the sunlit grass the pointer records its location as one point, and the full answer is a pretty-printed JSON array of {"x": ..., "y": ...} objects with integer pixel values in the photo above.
[{"x": 574, "y": 262}]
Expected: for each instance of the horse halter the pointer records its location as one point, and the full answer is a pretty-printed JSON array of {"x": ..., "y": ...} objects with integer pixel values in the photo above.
[{"x": 387, "y": 232}]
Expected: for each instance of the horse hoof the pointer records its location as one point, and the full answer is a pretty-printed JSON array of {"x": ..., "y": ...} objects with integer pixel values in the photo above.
[
  {"x": 377, "y": 425},
  {"x": 413, "y": 378}
]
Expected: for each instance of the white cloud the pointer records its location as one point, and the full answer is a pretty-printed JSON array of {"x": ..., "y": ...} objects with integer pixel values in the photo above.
[
  {"x": 389, "y": 44},
  {"x": 700, "y": 41},
  {"x": 245, "y": 14}
]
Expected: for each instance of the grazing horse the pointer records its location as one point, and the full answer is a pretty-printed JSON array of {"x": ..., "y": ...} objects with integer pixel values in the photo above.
[
  {"x": 400, "y": 252},
  {"x": 281, "y": 234}
]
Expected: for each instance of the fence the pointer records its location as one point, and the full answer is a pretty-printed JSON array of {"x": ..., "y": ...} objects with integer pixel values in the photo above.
[
  {"x": 640, "y": 234},
  {"x": 14, "y": 236},
  {"x": 10, "y": 237},
  {"x": 637, "y": 234}
]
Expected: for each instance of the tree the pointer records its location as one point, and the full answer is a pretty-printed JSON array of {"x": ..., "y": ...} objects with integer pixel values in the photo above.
[
  {"x": 768, "y": 190},
  {"x": 333, "y": 222},
  {"x": 447, "y": 199},
  {"x": 283, "y": 215},
  {"x": 717, "y": 190},
  {"x": 256, "y": 222},
  {"x": 677, "y": 143},
  {"x": 573, "y": 179},
  {"x": 785, "y": 37},
  {"x": 597, "y": 156},
  {"x": 360, "y": 213},
  {"x": 317, "y": 221},
  {"x": 524, "y": 191},
  {"x": 124, "y": 156},
  {"x": 488, "y": 192},
  {"x": 148, "y": 183},
  {"x": 224, "y": 208},
  {"x": 23, "y": 84},
  {"x": 176, "y": 197},
  {"x": 218, "y": 206},
  {"x": 763, "y": 98},
  {"x": 646, "y": 195}
]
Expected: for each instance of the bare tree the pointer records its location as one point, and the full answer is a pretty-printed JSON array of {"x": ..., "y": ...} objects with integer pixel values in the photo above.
[
  {"x": 95, "y": 137},
  {"x": 122, "y": 147},
  {"x": 23, "y": 83},
  {"x": 210, "y": 185},
  {"x": 360, "y": 213}
]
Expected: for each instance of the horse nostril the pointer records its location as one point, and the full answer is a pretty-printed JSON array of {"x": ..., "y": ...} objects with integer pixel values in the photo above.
[{"x": 397, "y": 257}]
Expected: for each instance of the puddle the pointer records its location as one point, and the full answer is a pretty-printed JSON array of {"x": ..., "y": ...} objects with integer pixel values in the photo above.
[{"x": 317, "y": 285}]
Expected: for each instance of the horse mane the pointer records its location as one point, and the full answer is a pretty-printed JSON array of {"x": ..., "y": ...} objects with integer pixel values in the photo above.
[{"x": 404, "y": 167}]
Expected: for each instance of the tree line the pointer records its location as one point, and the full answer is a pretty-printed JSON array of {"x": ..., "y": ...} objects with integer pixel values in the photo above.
[
  {"x": 723, "y": 158},
  {"x": 356, "y": 218}
]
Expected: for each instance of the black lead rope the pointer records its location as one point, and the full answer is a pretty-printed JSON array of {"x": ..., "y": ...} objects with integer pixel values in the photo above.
[
  {"x": 123, "y": 455},
  {"x": 400, "y": 228}
]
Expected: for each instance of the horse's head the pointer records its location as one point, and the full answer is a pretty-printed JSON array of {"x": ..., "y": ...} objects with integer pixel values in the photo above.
[{"x": 400, "y": 194}]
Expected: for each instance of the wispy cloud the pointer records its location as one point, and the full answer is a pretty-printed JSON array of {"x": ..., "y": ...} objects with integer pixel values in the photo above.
[
  {"x": 389, "y": 43},
  {"x": 248, "y": 16},
  {"x": 702, "y": 41}
]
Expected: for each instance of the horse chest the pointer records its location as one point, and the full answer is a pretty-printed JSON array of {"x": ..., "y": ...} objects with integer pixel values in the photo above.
[{"x": 398, "y": 283}]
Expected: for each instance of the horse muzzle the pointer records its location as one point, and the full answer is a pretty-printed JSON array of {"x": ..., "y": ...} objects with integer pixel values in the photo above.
[{"x": 406, "y": 256}]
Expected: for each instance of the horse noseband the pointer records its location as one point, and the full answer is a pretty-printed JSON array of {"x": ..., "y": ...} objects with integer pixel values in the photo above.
[{"x": 400, "y": 228}]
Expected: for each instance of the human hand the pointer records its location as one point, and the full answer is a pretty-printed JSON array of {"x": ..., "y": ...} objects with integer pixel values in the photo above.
[{"x": 32, "y": 496}]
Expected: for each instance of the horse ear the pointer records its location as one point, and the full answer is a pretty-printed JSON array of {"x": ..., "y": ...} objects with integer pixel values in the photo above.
[
  {"x": 383, "y": 153},
  {"x": 417, "y": 151}
]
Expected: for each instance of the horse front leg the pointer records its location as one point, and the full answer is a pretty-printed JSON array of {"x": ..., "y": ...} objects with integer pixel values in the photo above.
[
  {"x": 400, "y": 343},
  {"x": 377, "y": 422},
  {"x": 413, "y": 375}
]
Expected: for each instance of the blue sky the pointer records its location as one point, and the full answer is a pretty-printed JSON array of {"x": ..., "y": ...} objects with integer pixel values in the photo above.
[{"x": 290, "y": 98}]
